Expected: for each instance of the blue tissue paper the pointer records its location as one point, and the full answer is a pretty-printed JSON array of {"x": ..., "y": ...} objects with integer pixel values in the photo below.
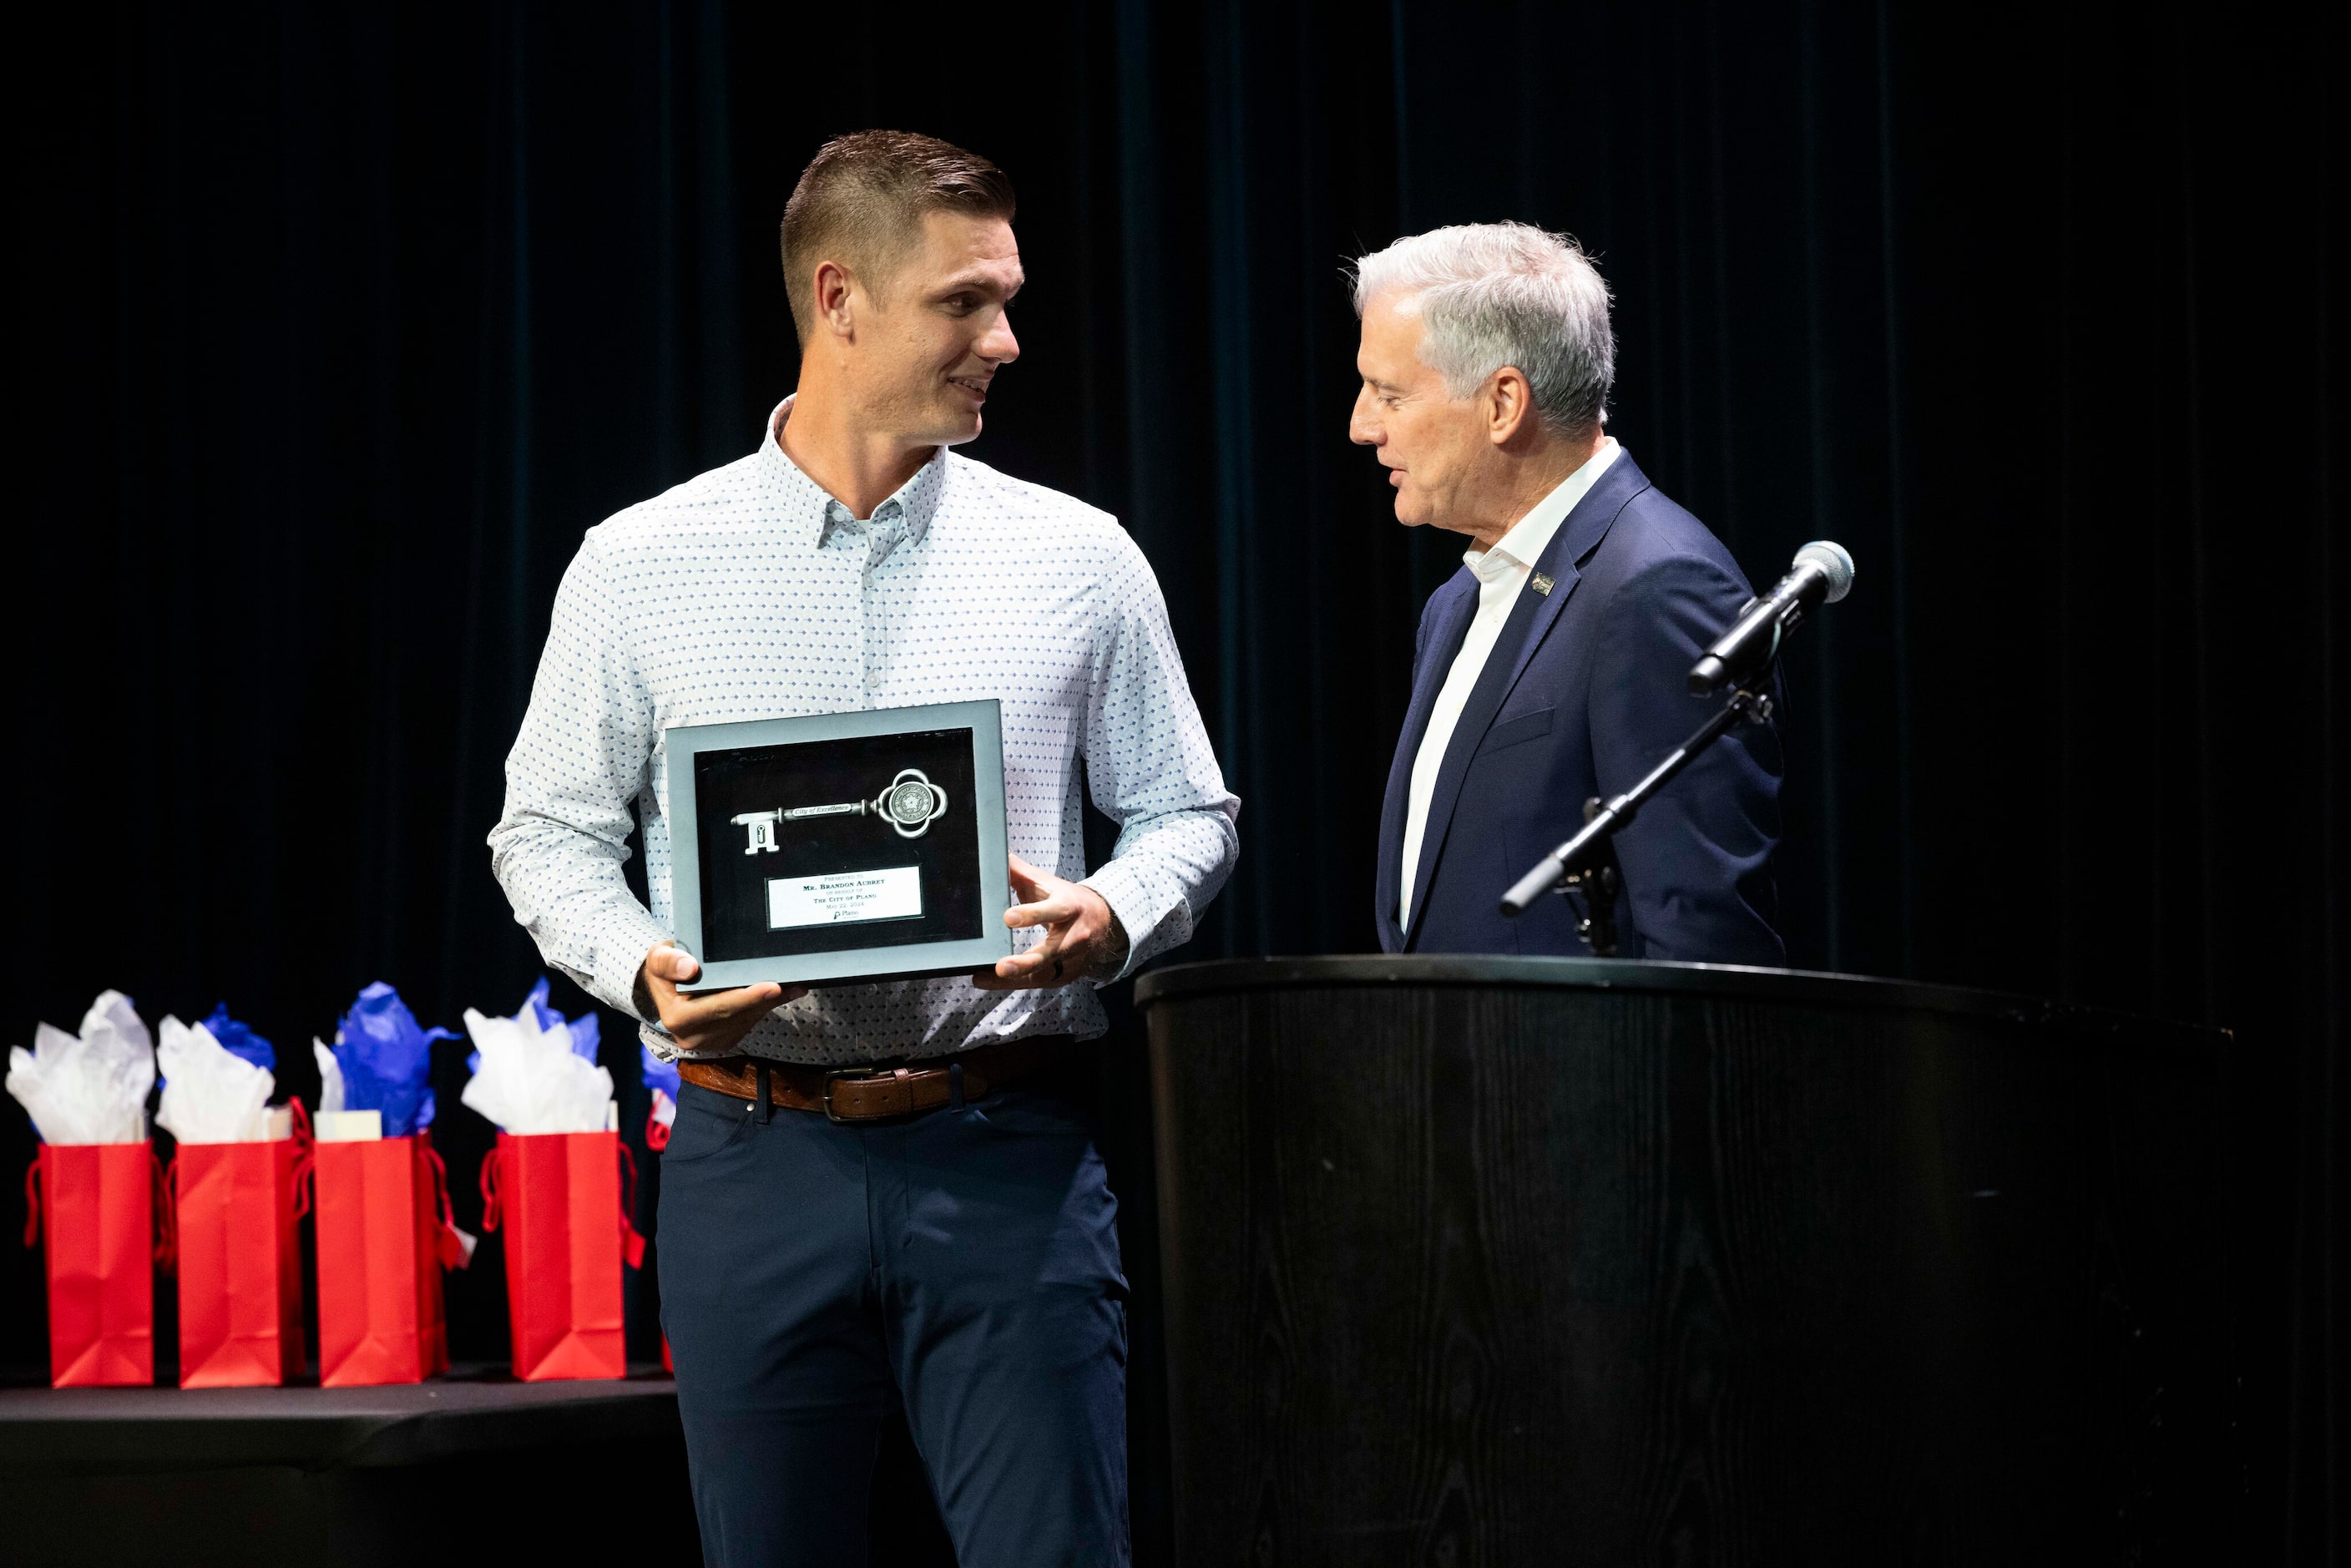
[
  {"x": 387, "y": 1060},
  {"x": 659, "y": 1074},
  {"x": 586, "y": 1036},
  {"x": 241, "y": 1040}
]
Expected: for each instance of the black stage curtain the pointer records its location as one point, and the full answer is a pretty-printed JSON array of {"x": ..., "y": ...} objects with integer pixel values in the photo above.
[{"x": 338, "y": 325}]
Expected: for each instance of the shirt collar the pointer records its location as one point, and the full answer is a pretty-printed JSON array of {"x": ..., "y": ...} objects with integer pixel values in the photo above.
[
  {"x": 1530, "y": 534},
  {"x": 810, "y": 512}
]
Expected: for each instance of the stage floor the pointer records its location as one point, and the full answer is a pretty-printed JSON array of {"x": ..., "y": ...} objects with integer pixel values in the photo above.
[
  {"x": 473, "y": 1466},
  {"x": 471, "y": 1412}
]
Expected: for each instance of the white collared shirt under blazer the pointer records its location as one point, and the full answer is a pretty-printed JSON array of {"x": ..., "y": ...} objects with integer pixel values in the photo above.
[
  {"x": 1501, "y": 574},
  {"x": 750, "y": 593}
]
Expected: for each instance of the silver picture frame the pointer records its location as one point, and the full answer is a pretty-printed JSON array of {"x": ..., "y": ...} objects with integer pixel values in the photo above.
[{"x": 907, "y": 805}]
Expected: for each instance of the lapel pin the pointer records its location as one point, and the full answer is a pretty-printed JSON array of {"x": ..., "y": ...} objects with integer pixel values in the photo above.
[{"x": 1541, "y": 584}]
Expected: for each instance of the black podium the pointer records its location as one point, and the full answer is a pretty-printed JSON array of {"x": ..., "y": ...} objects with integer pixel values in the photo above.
[{"x": 1535, "y": 1260}]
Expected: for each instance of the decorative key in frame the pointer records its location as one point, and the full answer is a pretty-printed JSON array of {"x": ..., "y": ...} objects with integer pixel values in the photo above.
[{"x": 910, "y": 804}]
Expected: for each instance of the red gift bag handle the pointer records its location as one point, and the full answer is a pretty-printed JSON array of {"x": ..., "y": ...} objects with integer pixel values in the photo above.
[
  {"x": 656, "y": 1132},
  {"x": 632, "y": 1242},
  {"x": 306, "y": 1159},
  {"x": 455, "y": 1246},
  {"x": 167, "y": 1193},
  {"x": 454, "y": 1252},
  {"x": 440, "y": 1182},
  {"x": 490, "y": 1188},
  {"x": 163, "y": 1192}
]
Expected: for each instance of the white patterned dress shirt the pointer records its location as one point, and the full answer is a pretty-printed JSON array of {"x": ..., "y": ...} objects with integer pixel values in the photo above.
[
  {"x": 750, "y": 593},
  {"x": 1500, "y": 572}
]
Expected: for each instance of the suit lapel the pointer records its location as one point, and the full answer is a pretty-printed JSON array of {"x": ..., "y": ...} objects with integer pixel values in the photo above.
[
  {"x": 1579, "y": 534},
  {"x": 1452, "y": 624},
  {"x": 1532, "y": 615}
]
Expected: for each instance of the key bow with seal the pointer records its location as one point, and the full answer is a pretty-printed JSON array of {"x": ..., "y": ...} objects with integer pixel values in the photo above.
[{"x": 909, "y": 804}]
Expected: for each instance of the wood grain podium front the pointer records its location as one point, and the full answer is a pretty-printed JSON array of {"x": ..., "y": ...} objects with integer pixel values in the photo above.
[{"x": 1534, "y": 1261}]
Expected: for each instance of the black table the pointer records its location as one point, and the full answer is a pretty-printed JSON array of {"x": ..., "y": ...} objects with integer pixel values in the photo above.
[{"x": 475, "y": 1467}]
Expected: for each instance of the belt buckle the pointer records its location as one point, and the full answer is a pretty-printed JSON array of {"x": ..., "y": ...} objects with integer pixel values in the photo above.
[{"x": 862, "y": 1074}]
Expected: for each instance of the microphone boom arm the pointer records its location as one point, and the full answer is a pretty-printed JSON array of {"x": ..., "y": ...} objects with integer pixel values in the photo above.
[
  {"x": 1588, "y": 861},
  {"x": 1741, "y": 658}
]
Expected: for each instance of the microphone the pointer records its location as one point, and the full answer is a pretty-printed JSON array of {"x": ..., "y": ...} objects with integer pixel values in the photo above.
[{"x": 1823, "y": 574}]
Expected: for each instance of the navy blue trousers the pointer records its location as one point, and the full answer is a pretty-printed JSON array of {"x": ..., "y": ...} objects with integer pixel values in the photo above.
[{"x": 965, "y": 1262}]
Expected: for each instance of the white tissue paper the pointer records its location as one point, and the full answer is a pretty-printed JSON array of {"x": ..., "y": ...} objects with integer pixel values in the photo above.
[
  {"x": 330, "y": 1078},
  {"x": 211, "y": 1094},
  {"x": 90, "y": 1089},
  {"x": 530, "y": 1080},
  {"x": 333, "y": 1124}
]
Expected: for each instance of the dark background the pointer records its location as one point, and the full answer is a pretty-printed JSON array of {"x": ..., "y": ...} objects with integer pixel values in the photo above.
[
  {"x": 337, "y": 325},
  {"x": 772, "y": 777}
]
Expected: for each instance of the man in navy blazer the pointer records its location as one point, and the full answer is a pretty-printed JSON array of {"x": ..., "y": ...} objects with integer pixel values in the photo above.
[{"x": 1553, "y": 666}]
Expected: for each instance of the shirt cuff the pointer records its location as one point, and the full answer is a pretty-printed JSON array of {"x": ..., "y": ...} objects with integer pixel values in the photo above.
[
  {"x": 621, "y": 947},
  {"x": 1140, "y": 908}
]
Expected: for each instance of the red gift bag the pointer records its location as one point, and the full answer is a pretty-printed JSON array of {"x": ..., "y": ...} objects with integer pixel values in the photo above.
[
  {"x": 560, "y": 1196},
  {"x": 98, "y": 1202},
  {"x": 235, "y": 1212},
  {"x": 385, "y": 1232}
]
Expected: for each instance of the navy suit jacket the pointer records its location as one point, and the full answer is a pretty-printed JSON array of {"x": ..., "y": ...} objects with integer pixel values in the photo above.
[{"x": 1584, "y": 692}]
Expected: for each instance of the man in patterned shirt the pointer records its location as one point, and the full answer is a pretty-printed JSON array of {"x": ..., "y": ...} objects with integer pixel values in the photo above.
[{"x": 959, "y": 1255}]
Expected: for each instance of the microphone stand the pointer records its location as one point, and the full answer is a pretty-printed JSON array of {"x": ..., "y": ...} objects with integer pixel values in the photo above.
[{"x": 1587, "y": 863}]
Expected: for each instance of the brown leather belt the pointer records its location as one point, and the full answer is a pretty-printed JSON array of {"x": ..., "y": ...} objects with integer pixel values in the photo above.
[{"x": 884, "y": 1091}]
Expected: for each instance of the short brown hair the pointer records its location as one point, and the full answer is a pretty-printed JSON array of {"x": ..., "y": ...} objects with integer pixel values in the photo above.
[{"x": 862, "y": 200}]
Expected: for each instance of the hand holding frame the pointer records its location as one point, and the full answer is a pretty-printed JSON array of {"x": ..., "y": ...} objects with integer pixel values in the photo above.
[
  {"x": 709, "y": 1025},
  {"x": 1082, "y": 938}
]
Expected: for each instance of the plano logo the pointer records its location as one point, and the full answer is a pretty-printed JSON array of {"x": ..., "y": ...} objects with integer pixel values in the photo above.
[{"x": 909, "y": 804}]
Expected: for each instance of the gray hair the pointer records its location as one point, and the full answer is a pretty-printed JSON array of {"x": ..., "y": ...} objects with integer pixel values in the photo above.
[{"x": 1490, "y": 294}]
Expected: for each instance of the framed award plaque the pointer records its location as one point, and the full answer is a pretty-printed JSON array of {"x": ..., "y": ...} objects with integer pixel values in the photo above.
[{"x": 841, "y": 847}]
